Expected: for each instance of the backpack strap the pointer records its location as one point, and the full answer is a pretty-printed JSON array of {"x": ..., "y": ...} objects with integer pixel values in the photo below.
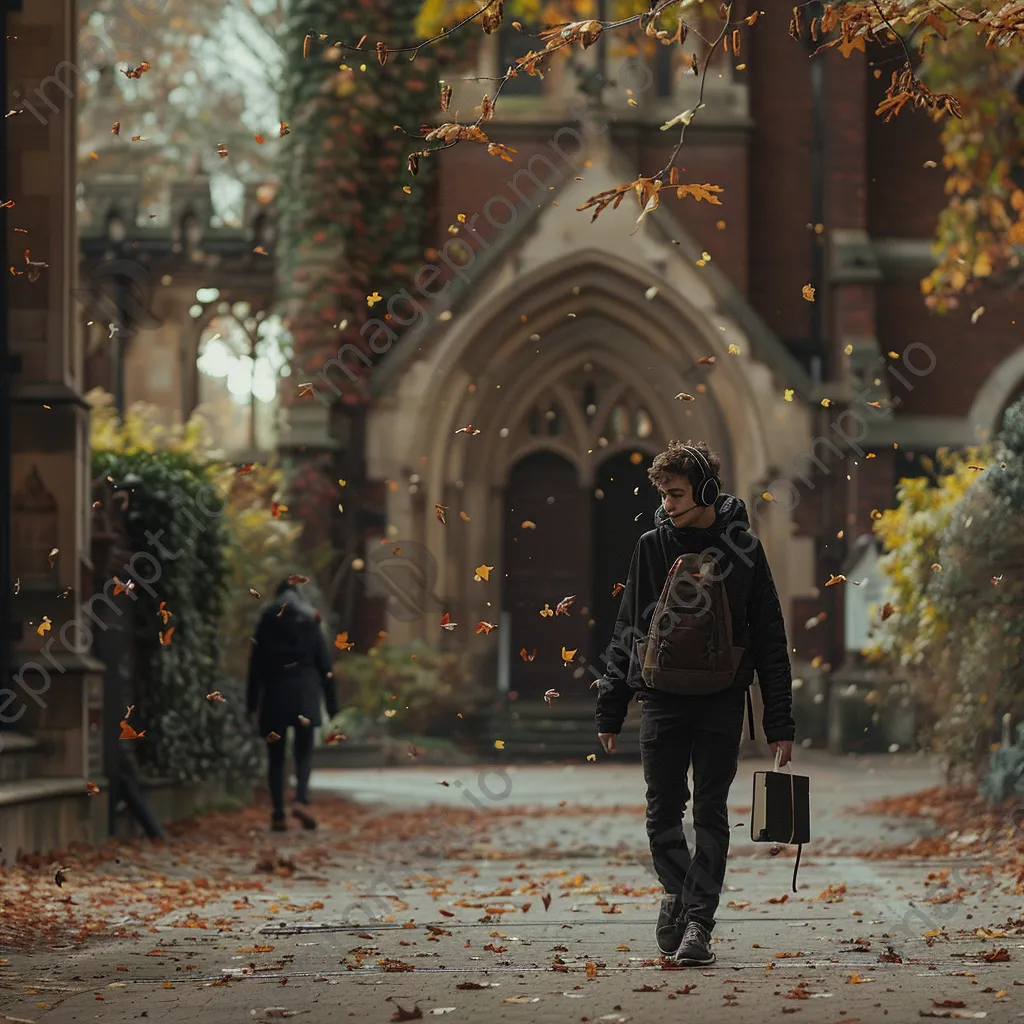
[{"x": 750, "y": 713}]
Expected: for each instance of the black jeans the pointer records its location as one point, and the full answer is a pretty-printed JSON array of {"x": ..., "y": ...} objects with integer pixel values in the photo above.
[
  {"x": 675, "y": 731},
  {"x": 302, "y": 750}
]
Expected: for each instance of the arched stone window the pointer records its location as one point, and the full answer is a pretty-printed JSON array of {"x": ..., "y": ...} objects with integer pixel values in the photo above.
[
  {"x": 241, "y": 358},
  {"x": 619, "y": 427}
]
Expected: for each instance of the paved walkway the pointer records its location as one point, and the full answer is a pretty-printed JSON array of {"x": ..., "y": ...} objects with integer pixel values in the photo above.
[{"x": 524, "y": 894}]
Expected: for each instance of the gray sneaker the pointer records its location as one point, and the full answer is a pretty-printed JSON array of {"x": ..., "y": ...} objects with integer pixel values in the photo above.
[
  {"x": 696, "y": 945},
  {"x": 669, "y": 929}
]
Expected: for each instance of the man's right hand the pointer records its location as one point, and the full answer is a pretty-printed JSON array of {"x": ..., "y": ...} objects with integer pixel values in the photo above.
[{"x": 607, "y": 741}]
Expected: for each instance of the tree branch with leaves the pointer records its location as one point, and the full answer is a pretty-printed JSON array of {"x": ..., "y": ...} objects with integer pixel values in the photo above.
[{"x": 907, "y": 34}]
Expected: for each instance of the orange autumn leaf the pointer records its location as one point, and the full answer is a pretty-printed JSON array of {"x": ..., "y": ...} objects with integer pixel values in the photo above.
[
  {"x": 527, "y": 656},
  {"x": 165, "y": 637},
  {"x": 128, "y": 733},
  {"x": 342, "y": 642},
  {"x": 485, "y": 627},
  {"x": 439, "y": 511},
  {"x": 446, "y": 622},
  {"x": 91, "y": 788},
  {"x": 163, "y": 612}
]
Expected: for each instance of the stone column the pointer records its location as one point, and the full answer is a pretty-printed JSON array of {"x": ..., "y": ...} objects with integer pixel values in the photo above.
[{"x": 56, "y": 682}]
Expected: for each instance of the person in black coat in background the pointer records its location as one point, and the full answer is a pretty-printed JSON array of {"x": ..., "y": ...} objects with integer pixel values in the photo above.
[{"x": 289, "y": 671}]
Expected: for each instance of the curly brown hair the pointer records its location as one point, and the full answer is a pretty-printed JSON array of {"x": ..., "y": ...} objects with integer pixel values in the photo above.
[{"x": 676, "y": 461}]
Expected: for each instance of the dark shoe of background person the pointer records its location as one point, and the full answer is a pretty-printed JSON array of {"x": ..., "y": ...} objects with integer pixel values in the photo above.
[
  {"x": 669, "y": 929},
  {"x": 278, "y": 823},
  {"x": 302, "y": 815},
  {"x": 696, "y": 946}
]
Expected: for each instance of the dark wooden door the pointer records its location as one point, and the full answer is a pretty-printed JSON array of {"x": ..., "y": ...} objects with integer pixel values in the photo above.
[
  {"x": 614, "y": 533},
  {"x": 544, "y": 565}
]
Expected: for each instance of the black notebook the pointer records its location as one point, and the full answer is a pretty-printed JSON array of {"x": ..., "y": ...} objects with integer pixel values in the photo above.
[{"x": 781, "y": 810}]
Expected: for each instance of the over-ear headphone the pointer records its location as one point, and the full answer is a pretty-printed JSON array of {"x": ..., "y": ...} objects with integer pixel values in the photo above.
[{"x": 708, "y": 487}]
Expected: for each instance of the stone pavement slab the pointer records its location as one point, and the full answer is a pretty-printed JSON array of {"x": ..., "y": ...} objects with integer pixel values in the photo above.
[{"x": 405, "y": 921}]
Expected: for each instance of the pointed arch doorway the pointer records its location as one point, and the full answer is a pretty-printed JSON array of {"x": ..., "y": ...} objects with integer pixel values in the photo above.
[{"x": 544, "y": 564}]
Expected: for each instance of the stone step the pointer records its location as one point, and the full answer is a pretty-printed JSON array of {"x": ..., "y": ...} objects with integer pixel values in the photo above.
[{"x": 21, "y": 757}]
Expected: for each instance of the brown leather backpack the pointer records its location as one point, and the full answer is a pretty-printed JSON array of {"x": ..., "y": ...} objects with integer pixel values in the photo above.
[{"x": 689, "y": 649}]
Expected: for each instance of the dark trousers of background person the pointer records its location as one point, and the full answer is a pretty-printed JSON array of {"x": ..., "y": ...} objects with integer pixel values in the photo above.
[
  {"x": 302, "y": 752},
  {"x": 675, "y": 731}
]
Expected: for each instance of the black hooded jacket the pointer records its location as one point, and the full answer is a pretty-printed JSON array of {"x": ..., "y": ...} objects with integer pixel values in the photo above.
[
  {"x": 290, "y": 665},
  {"x": 758, "y": 624}
]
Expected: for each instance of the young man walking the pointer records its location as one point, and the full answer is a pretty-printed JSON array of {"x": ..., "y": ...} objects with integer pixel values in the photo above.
[{"x": 699, "y": 616}]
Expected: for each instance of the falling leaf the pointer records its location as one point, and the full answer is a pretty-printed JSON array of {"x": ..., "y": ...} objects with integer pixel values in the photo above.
[
  {"x": 483, "y": 572},
  {"x": 734, "y": 350},
  {"x": 528, "y": 524},
  {"x": 826, "y": 402},
  {"x": 44, "y": 626},
  {"x": 499, "y": 744},
  {"x": 439, "y": 511},
  {"x": 485, "y": 627},
  {"x": 684, "y": 397},
  {"x": 136, "y": 72},
  {"x": 128, "y": 733},
  {"x": 53, "y": 555},
  {"x": 284, "y": 129},
  {"x": 787, "y": 395},
  {"x": 547, "y": 611},
  {"x": 525, "y": 656},
  {"x": 833, "y": 580},
  {"x": 936, "y": 567},
  {"x": 342, "y": 642},
  {"x": 464, "y": 517},
  {"x": 254, "y": 593},
  {"x": 977, "y": 314},
  {"x": 706, "y": 361},
  {"x": 303, "y": 721},
  {"x": 468, "y": 429},
  {"x": 887, "y": 610},
  {"x": 245, "y": 469},
  {"x": 276, "y": 509},
  {"x": 91, "y": 788},
  {"x": 567, "y": 656},
  {"x": 591, "y": 757},
  {"x": 372, "y": 300},
  {"x": 807, "y": 292},
  {"x": 216, "y": 697},
  {"x": 564, "y": 605},
  {"x": 617, "y": 589},
  {"x": 334, "y": 737},
  {"x": 165, "y": 637},
  {"x": 163, "y": 612},
  {"x": 446, "y": 622},
  {"x": 296, "y": 579},
  {"x": 272, "y": 737}
]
